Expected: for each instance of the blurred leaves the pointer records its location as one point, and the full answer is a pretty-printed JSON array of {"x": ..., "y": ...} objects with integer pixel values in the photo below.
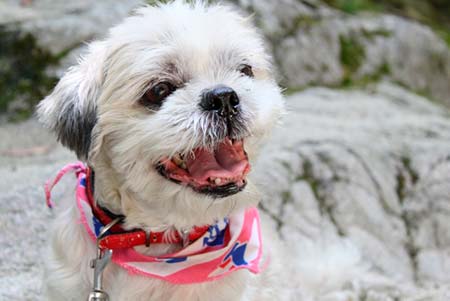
[
  {"x": 434, "y": 13},
  {"x": 352, "y": 54},
  {"x": 23, "y": 78},
  {"x": 354, "y": 6}
]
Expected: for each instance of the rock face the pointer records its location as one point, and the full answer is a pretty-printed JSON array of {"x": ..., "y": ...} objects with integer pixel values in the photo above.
[
  {"x": 29, "y": 156},
  {"x": 40, "y": 39},
  {"x": 369, "y": 168},
  {"x": 61, "y": 25},
  {"x": 312, "y": 43},
  {"x": 316, "y": 45}
]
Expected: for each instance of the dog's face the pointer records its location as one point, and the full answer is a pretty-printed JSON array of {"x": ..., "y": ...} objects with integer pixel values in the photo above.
[{"x": 170, "y": 108}]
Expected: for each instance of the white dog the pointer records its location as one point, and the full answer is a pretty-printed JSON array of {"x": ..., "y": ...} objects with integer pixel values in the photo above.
[{"x": 167, "y": 112}]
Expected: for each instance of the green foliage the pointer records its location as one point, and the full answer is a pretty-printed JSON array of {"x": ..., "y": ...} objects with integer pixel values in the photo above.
[
  {"x": 434, "y": 13},
  {"x": 351, "y": 54},
  {"x": 354, "y": 6},
  {"x": 383, "y": 70},
  {"x": 301, "y": 21},
  {"x": 371, "y": 34},
  {"x": 22, "y": 71},
  {"x": 444, "y": 34}
]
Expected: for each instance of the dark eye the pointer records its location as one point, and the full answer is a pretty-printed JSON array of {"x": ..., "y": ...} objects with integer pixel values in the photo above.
[
  {"x": 246, "y": 70},
  {"x": 156, "y": 94}
]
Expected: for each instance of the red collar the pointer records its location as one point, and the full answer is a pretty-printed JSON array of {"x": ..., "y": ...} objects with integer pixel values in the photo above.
[{"x": 120, "y": 238}]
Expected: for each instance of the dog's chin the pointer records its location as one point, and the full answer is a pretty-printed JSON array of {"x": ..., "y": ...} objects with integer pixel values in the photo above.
[{"x": 217, "y": 172}]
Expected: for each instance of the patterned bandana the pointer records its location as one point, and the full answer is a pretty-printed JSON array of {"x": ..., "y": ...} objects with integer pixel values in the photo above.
[{"x": 231, "y": 244}]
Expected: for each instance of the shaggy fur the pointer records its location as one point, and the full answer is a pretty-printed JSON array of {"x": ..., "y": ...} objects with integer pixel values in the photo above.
[{"x": 95, "y": 111}]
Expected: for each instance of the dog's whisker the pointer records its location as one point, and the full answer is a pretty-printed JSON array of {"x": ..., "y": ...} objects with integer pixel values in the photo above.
[{"x": 210, "y": 204}]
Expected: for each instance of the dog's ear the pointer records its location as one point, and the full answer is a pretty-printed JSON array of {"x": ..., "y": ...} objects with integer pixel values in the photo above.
[{"x": 71, "y": 109}]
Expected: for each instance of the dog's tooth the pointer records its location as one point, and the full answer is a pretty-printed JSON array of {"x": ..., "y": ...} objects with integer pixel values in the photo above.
[
  {"x": 218, "y": 181},
  {"x": 177, "y": 159},
  {"x": 183, "y": 165}
]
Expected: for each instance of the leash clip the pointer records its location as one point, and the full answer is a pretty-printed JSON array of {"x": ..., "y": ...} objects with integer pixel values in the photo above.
[
  {"x": 99, "y": 264},
  {"x": 185, "y": 238}
]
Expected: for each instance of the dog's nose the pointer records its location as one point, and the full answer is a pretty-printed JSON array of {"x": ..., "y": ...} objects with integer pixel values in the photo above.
[{"x": 221, "y": 99}]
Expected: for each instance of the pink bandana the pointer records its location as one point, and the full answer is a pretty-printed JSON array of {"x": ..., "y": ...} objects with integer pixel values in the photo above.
[{"x": 231, "y": 244}]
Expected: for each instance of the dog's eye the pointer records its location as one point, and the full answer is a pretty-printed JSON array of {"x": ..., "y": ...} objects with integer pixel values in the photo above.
[
  {"x": 246, "y": 70},
  {"x": 156, "y": 94}
]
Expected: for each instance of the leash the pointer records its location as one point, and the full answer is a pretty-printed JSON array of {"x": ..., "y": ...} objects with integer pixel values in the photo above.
[{"x": 78, "y": 167}]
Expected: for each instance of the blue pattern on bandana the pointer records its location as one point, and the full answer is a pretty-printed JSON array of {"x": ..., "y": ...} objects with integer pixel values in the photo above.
[
  {"x": 237, "y": 254},
  {"x": 216, "y": 234},
  {"x": 97, "y": 225},
  {"x": 176, "y": 259}
]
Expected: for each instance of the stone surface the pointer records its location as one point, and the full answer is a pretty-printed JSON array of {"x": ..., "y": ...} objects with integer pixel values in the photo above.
[
  {"x": 29, "y": 155},
  {"x": 306, "y": 37},
  {"x": 370, "y": 168},
  {"x": 62, "y": 25},
  {"x": 308, "y": 40}
]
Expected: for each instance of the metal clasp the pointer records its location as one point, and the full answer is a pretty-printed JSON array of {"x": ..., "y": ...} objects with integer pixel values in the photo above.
[
  {"x": 185, "y": 238},
  {"x": 99, "y": 264}
]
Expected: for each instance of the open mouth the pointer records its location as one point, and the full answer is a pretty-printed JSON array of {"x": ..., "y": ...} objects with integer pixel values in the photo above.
[{"x": 220, "y": 172}]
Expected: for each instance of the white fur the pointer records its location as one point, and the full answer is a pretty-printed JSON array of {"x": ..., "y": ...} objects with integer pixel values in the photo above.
[{"x": 198, "y": 47}]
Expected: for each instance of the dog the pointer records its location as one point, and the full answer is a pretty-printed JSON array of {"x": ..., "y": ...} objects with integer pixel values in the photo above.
[{"x": 168, "y": 113}]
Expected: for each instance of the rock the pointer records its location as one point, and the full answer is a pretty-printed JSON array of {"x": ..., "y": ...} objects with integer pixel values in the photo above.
[
  {"x": 312, "y": 43},
  {"x": 24, "y": 218},
  {"x": 371, "y": 169},
  {"x": 316, "y": 45},
  {"x": 41, "y": 39},
  {"x": 61, "y": 26}
]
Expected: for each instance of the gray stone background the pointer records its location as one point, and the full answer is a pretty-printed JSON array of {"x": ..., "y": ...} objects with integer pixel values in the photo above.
[{"x": 362, "y": 157}]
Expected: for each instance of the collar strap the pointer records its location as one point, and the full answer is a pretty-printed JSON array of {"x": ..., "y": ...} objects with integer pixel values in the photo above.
[
  {"x": 118, "y": 238},
  {"x": 140, "y": 237}
]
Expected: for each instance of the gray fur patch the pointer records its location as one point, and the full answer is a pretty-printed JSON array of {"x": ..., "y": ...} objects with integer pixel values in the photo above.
[{"x": 74, "y": 129}]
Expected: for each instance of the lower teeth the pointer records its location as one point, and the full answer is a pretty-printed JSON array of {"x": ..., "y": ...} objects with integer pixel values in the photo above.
[{"x": 179, "y": 161}]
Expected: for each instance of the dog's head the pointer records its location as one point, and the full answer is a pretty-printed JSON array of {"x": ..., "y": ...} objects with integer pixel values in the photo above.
[{"x": 169, "y": 111}]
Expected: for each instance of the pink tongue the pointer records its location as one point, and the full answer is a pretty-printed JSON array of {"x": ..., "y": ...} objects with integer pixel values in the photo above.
[{"x": 227, "y": 161}]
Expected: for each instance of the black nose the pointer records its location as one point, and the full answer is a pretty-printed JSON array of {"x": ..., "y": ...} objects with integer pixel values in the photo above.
[{"x": 221, "y": 99}]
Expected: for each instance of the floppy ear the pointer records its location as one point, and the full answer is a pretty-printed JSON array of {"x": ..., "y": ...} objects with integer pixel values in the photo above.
[{"x": 71, "y": 109}]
